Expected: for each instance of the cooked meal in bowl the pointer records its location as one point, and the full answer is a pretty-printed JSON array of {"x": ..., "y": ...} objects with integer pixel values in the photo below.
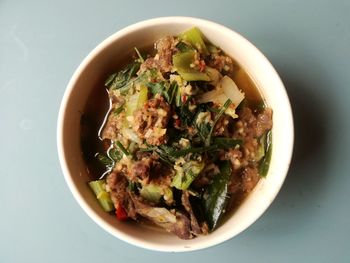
[{"x": 185, "y": 137}]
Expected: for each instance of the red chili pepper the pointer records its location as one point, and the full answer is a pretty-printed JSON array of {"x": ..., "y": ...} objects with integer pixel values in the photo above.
[
  {"x": 202, "y": 66},
  {"x": 121, "y": 213},
  {"x": 184, "y": 98},
  {"x": 177, "y": 122}
]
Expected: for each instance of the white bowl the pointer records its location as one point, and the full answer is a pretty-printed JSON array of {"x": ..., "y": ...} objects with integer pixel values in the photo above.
[{"x": 103, "y": 59}]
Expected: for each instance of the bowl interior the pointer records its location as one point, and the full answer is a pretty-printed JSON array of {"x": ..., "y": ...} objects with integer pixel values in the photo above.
[{"x": 104, "y": 59}]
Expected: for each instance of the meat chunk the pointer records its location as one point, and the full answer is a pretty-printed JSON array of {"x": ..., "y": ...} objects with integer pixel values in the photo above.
[
  {"x": 250, "y": 177},
  {"x": 182, "y": 226},
  {"x": 254, "y": 126},
  {"x": 221, "y": 127},
  {"x": 141, "y": 169},
  {"x": 263, "y": 122},
  {"x": 163, "y": 59},
  {"x": 234, "y": 156},
  {"x": 149, "y": 169},
  {"x": 117, "y": 184},
  {"x": 249, "y": 128},
  {"x": 221, "y": 63},
  {"x": 113, "y": 125},
  {"x": 151, "y": 121}
]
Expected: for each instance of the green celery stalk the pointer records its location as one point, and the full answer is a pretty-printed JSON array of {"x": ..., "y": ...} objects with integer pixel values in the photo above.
[
  {"x": 195, "y": 37},
  {"x": 182, "y": 180},
  {"x": 99, "y": 188},
  {"x": 182, "y": 62},
  {"x": 143, "y": 96},
  {"x": 136, "y": 101},
  {"x": 151, "y": 192}
]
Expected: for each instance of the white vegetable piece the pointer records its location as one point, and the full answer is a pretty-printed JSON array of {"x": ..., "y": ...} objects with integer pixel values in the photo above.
[{"x": 226, "y": 89}]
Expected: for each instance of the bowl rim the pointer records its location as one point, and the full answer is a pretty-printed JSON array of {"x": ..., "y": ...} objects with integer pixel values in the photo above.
[{"x": 62, "y": 113}]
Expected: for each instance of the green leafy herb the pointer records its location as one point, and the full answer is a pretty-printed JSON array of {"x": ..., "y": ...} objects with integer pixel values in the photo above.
[
  {"x": 186, "y": 116},
  {"x": 105, "y": 160},
  {"x": 204, "y": 130},
  {"x": 159, "y": 88},
  {"x": 122, "y": 148},
  {"x": 120, "y": 79},
  {"x": 226, "y": 143},
  {"x": 216, "y": 195},
  {"x": 162, "y": 151},
  {"x": 178, "y": 153},
  {"x": 217, "y": 117},
  {"x": 173, "y": 88},
  {"x": 265, "y": 162}
]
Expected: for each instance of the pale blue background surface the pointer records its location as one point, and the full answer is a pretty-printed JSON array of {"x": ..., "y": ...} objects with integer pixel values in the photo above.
[{"x": 41, "y": 44}]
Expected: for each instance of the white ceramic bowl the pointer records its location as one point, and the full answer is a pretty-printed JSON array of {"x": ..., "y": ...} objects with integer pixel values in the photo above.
[{"x": 103, "y": 59}]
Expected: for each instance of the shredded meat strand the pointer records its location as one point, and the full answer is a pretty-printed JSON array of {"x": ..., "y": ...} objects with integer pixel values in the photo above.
[{"x": 187, "y": 205}]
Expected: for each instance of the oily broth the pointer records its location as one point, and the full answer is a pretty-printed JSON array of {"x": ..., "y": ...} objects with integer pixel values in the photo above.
[{"x": 94, "y": 113}]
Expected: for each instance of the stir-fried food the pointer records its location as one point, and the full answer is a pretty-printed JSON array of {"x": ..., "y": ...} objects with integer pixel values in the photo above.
[{"x": 183, "y": 143}]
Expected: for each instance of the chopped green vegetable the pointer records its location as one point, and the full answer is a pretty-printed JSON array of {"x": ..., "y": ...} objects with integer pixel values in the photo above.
[
  {"x": 143, "y": 96},
  {"x": 136, "y": 101},
  {"x": 195, "y": 37},
  {"x": 216, "y": 195},
  {"x": 151, "y": 192},
  {"x": 183, "y": 47},
  {"x": 212, "y": 49},
  {"x": 265, "y": 162},
  {"x": 131, "y": 106},
  {"x": 184, "y": 63},
  {"x": 186, "y": 174},
  {"x": 99, "y": 188}
]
